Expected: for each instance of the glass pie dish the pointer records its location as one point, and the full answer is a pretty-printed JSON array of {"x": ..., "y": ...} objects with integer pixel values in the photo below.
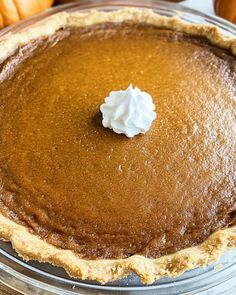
[{"x": 33, "y": 277}]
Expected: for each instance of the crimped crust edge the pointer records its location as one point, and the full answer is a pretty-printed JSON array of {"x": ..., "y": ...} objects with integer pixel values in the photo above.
[{"x": 32, "y": 247}]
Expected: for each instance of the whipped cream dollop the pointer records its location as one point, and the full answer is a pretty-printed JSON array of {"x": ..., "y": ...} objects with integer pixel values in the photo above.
[{"x": 129, "y": 111}]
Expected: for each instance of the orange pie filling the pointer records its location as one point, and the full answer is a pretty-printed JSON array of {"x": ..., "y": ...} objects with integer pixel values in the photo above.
[{"x": 82, "y": 187}]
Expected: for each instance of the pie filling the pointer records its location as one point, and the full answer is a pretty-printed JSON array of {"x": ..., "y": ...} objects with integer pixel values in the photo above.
[{"x": 82, "y": 187}]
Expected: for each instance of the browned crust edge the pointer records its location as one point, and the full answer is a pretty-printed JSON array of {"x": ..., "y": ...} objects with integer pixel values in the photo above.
[
  {"x": 30, "y": 246},
  {"x": 10, "y": 42}
]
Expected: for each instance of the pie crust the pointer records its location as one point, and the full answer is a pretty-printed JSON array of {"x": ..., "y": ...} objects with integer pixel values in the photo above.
[{"x": 30, "y": 246}]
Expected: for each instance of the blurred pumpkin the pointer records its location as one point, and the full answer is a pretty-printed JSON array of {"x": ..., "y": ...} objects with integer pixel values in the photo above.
[
  {"x": 226, "y": 9},
  {"x": 13, "y": 10}
]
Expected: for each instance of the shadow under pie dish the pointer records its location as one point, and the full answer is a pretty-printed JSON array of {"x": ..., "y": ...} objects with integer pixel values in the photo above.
[{"x": 99, "y": 204}]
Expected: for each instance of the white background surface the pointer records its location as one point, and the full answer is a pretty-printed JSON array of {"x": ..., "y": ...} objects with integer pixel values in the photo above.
[{"x": 203, "y": 5}]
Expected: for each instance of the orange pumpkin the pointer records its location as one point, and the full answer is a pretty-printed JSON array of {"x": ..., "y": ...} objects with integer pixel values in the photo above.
[
  {"x": 13, "y": 10},
  {"x": 226, "y": 9}
]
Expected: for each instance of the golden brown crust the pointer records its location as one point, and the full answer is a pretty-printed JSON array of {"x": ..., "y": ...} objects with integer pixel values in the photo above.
[
  {"x": 30, "y": 246},
  {"x": 10, "y": 42}
]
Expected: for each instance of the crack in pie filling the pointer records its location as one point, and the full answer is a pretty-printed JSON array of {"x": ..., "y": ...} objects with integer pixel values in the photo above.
[{"x": 100, "y": 204}]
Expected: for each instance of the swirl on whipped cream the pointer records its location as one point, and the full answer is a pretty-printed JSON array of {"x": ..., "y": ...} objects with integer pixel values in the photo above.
[{"x": 128, "y": 112}]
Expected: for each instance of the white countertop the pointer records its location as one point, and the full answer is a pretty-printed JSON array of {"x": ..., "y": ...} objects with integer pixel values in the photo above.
[{"x": 203, "y": 5}]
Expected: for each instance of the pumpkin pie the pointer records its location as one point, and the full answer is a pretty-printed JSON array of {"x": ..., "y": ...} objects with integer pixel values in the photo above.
[{"x": 99, "y": 204}]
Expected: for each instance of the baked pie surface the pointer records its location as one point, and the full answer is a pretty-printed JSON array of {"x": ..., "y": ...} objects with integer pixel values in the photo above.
[{"x": 101, "y": 205}]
